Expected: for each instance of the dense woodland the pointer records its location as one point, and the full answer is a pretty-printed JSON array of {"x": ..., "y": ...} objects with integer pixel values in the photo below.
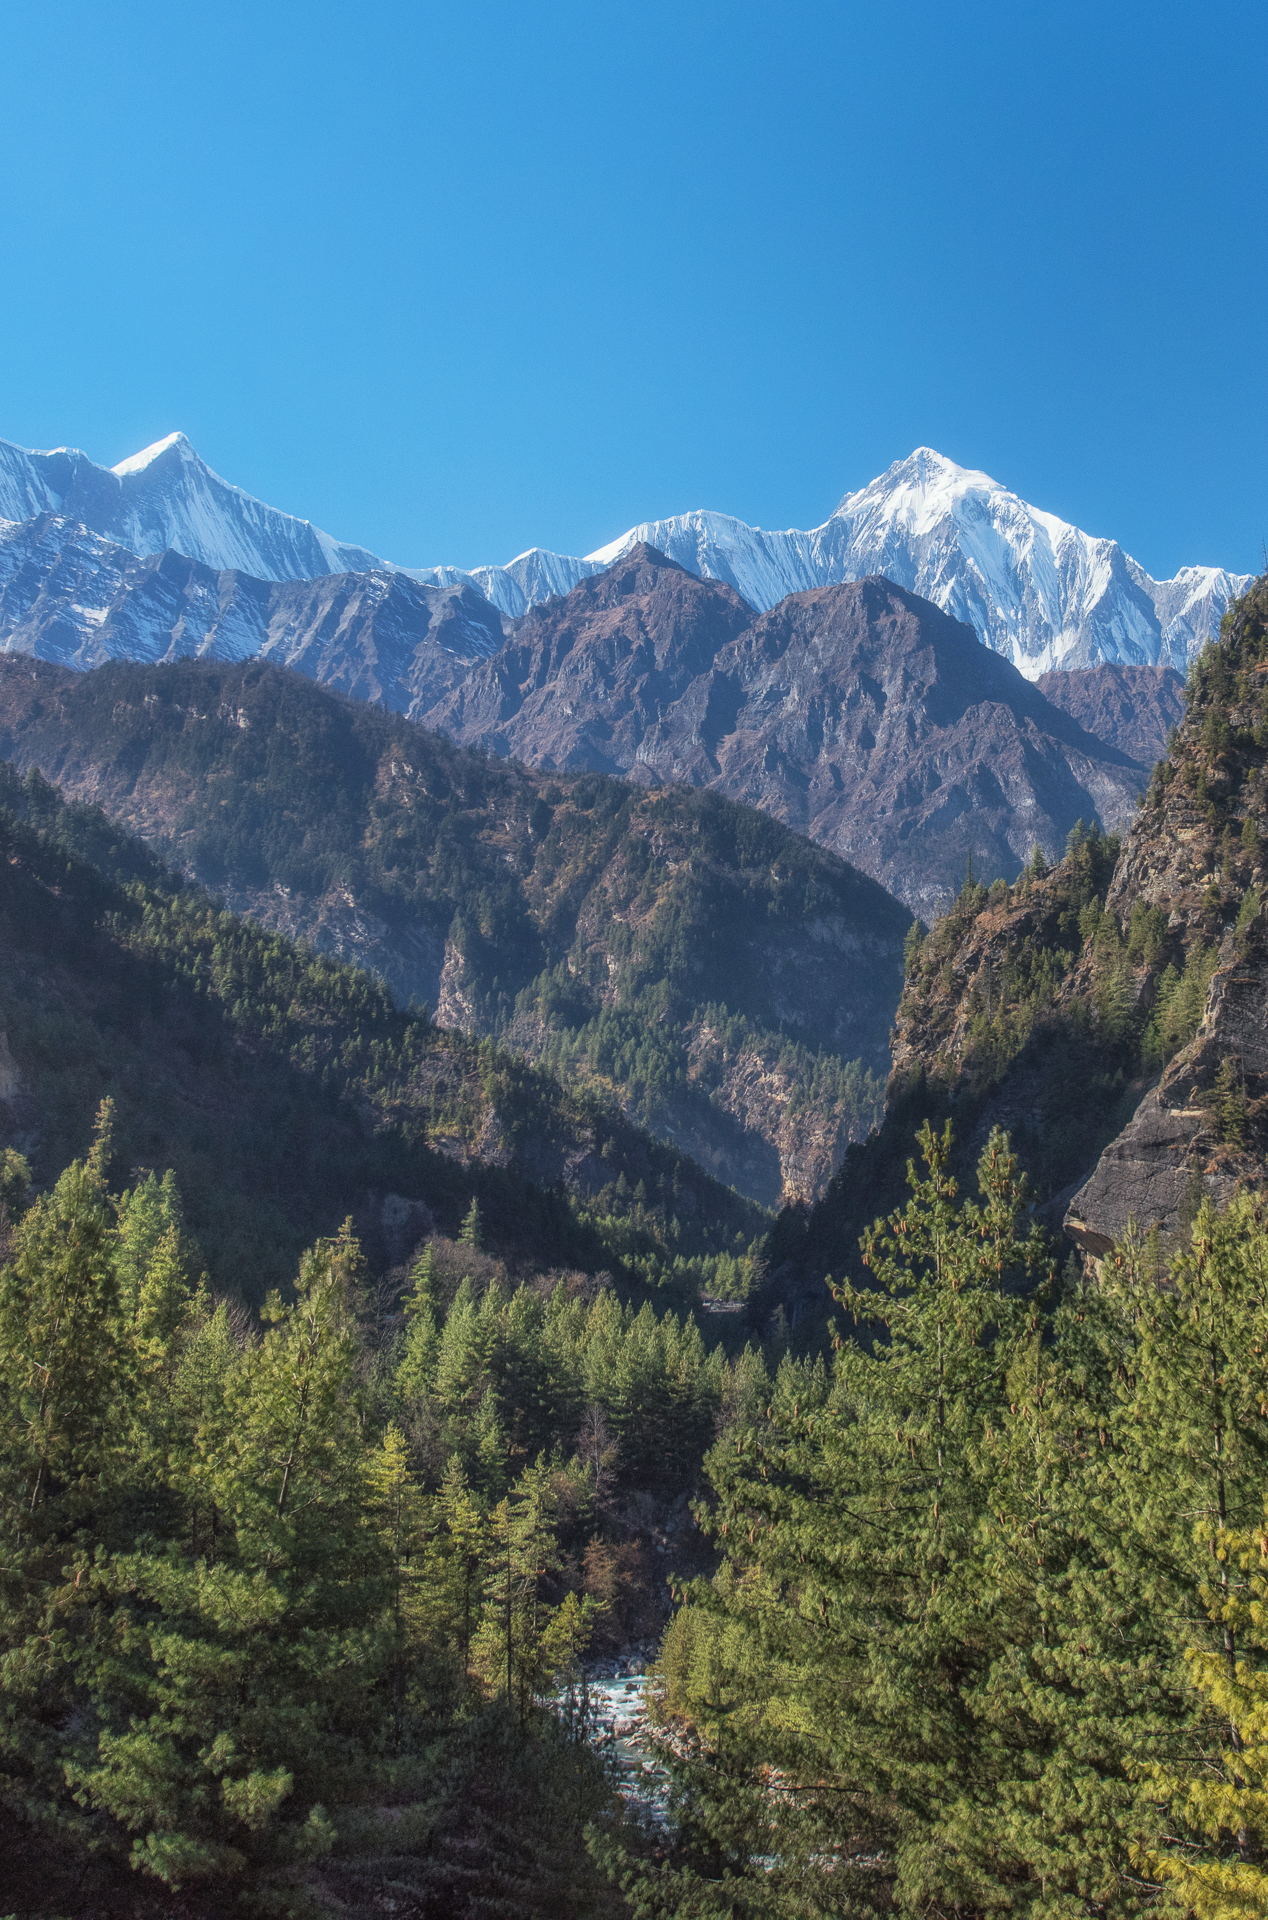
[
  {"x": 281, "y": 1593},
  {"x": 287, "y": 1091},
  {"x": 989, "y": 1633},
  {"x": 640, "y": 942},
  {"x": 302, "y": 1566}
]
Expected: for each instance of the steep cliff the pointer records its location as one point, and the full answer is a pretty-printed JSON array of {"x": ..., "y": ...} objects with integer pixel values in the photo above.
[
  {"x": 1195, "y": 861},
  {"x": 1112, "y": 1012}
]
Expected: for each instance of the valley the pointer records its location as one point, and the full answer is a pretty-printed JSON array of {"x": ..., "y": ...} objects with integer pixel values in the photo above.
[
  {"x": 672, "y": 1132},
  {"x": 667, "y": 950}
]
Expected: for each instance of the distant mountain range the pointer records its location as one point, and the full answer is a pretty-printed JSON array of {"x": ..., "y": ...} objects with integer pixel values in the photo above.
[
  {"x": 80, "y": 599},
  {"x": 859, "y": 714},
  {"x": 1034, "y": 588}
]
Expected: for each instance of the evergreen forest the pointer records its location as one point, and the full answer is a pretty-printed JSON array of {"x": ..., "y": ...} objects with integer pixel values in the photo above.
[
  {"x": 653, "y": 947},
  {"x": 364, "y": 1387},
  {"x": 295, "y": 1605}
]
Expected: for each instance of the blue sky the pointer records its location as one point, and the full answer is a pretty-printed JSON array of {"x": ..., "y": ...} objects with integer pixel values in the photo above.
[{"x": 453, "y": 281}]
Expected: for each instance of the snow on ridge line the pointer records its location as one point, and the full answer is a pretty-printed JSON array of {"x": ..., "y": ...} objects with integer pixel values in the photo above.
[
  {"x": 149, "y": 504},
  {"x": 1036, "y": 589},
  {"x": 136, "y": 462}
]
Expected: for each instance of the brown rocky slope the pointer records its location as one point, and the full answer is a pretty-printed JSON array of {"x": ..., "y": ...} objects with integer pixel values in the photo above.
[
  {"x": 1131, "y": 708},
  {"x": 1112, "y": 1012},
  {"x": 859, "y": 714}
]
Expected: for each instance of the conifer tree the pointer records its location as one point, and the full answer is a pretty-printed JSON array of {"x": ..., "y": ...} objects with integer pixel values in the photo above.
[
  {"x": 523, "y": 1551},
  {"x": 61, "y": 1432},
  {"x": 397, "y": 1509},
  {"x": 416, "y": 1369},
  {"x": 847, "y": 1639},
  {"x": 247, "y": 1711},
  {"x": 1216, "y": 1867},
  {"x": 471, "y": 1233},
  {"x": 467, "y": 1543}
]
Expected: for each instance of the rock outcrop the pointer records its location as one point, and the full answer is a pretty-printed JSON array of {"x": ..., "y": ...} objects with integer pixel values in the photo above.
[{"x": 1131, "y": 708}]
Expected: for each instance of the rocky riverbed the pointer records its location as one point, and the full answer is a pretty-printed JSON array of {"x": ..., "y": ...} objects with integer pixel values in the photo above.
[{"x": 614, "y": 1701}]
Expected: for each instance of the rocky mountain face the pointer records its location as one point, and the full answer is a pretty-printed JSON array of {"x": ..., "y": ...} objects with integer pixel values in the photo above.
[
  {"x": 857, "y": 714},
  {"x": 581, "y": 680},
  {"x": 728, "y": 984},
  {"x": 1112, "y": 1012},
  {"x": 860, "y": 715},
  {"x": 1131, "y": 708},
  {"x": 77, "y": 598},
  {"x": 879, "y": 726},
  {"x": 1032, "y": 586},
  {"x": 1198, "y": 857}
]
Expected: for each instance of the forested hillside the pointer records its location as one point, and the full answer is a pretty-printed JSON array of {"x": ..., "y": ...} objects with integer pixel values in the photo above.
[
  {"x": 989, "y": 1632},
  {"x": 730, "y": 986},
  {"x": 287, "y": 1091}
]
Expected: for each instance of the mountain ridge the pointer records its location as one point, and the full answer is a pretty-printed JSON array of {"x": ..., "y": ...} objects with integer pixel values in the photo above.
[
  {"x": 682, "y": 956},
  {"x": 167, "y": 496},
  {"x": 644, "y": 670},
  {"x": 857, "y": 714},
  {"x": 1033, "y": 586},
  {"x": 79, "y": 599}
]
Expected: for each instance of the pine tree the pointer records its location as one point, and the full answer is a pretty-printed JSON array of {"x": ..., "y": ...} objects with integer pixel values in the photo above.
[
  {"x": 396, "y": 1506},
  {"x": 471, "y": 1233},
  {"x": 848, "y": 1638},
  {"x": 465, "y": 1550},
  {"x": 511, "y": 1644},
  {"x": 416, "y": 1368},
  {"x": 1220, "y": 1799},
  {"x": 61, "y": 1448},
  {"x": 1198, "y": 1455},
  {"x": 218, "y": 1778}
]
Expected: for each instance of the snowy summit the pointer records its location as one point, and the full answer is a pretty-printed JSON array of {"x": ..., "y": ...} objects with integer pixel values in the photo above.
[{"x": 1036, "y": 589}]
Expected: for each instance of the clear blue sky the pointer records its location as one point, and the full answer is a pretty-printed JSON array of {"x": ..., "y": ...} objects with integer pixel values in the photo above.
[{"x": 453, "y": 281}]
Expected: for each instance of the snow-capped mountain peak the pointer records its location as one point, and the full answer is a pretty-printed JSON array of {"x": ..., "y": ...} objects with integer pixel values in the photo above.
[
  {"x": 167, "y": 497},
  {"x": 137, "y": 462},
  {"x": 1035, "y": 588},
  {"x": 919, "y": 489}
]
